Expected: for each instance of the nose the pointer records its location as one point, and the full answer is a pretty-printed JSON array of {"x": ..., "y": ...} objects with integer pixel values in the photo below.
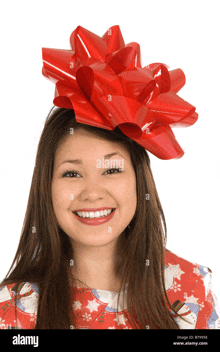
[{"x": 92, "y": 191}]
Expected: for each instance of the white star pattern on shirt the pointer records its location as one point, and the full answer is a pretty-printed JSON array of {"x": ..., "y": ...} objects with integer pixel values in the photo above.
[
  {"x": 120, "y": 319},
  {"x": 196, "y": 271},
  {"x": 175, "y": 287},
  {"x": 190, "y": 299},
  {"x": 93, "y": 305},
  {"x": 86, "y": 317},
  {"x": 176, "y": 271},
  {"x": 77, "y": 305}
]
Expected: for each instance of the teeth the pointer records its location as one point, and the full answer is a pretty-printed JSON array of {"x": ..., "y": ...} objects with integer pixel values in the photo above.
[{"x": 92, "y": 214}]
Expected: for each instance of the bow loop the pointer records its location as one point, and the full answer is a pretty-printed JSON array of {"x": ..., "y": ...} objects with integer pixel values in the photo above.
[
  {"x": 85, "y": 80},
  {"x": 87, "y": 45},
  {"x": 113, "y": 39}
]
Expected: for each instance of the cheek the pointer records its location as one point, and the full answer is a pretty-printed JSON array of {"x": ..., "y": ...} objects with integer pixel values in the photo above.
[
  {"x": 126, "y": 194},
  {"x": 61, "y": 196}
]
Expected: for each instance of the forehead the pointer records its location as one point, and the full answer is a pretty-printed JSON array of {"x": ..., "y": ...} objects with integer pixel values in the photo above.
[{"x": 82, "y": 143}]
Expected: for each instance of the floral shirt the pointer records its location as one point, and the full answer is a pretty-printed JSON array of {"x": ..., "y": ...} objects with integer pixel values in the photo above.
[{"x": 188, "y": 286}]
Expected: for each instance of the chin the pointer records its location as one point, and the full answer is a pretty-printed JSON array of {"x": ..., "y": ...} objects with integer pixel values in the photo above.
[{"x": 94, "y": 236}]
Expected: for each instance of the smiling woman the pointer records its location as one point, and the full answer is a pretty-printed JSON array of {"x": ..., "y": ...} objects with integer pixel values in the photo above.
[
  {"x": 99, "y": 236},
  {"x": 93, "y": 188}
]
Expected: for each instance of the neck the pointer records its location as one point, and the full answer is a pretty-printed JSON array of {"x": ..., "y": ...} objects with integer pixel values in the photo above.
[{"x": 96, "y": 267}]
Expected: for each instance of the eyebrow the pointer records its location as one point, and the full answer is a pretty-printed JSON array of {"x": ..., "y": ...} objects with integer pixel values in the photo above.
[{"x": 79, "y": 161}]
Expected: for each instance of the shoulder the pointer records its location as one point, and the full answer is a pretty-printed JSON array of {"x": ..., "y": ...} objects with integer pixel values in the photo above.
[
  {"x": 22, "y": 304},
  {"x": 189, "y": 289},
  {"x": 185, "y": 273},
  {"x": 175, "y": 262}
]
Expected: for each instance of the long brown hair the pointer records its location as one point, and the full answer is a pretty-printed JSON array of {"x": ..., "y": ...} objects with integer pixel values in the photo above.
[{"x": 44, "y": 251}]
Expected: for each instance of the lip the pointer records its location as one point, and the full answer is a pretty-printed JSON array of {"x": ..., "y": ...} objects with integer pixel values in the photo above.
[
  {"x": 95, "y": 221},
  {"x": 93, "y": 209}
]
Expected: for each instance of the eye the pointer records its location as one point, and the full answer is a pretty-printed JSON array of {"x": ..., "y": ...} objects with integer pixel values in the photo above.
[
  {"x": 112, "y": 171},
  {"x": 70, "y": 172}
]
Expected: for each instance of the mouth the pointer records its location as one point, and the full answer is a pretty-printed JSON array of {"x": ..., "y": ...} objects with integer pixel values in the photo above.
[{"x": 94, "y": 214}]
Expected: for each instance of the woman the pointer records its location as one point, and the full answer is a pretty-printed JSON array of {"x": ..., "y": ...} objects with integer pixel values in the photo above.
[
  {"x": 92, "y": 252},
  {"x": 66, "y": 265}
]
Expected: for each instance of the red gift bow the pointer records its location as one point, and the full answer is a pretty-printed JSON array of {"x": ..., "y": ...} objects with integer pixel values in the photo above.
[{"x": 101, "y": 78}]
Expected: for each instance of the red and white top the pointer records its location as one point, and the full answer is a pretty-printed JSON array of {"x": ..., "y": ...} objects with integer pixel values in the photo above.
[{"x": 188, "y": 286}]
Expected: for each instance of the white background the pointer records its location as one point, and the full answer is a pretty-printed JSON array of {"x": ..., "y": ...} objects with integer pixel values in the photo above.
[{"x": 181, "y": 34}]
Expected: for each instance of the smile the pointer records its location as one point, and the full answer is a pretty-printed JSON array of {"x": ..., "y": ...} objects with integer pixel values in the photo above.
[
  {"x": 94, "y": 218},
  {"x": 92, "y": 214}
]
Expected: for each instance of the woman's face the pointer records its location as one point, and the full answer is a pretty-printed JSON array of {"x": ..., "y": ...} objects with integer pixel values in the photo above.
[{"x": 87, "y": 184}]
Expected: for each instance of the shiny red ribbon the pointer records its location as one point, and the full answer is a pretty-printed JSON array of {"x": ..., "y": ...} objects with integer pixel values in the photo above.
[{"x": 101, "y": 78}]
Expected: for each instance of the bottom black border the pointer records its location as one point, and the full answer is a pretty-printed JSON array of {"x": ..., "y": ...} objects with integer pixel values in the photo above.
[{"x": 16, "y": 338}]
